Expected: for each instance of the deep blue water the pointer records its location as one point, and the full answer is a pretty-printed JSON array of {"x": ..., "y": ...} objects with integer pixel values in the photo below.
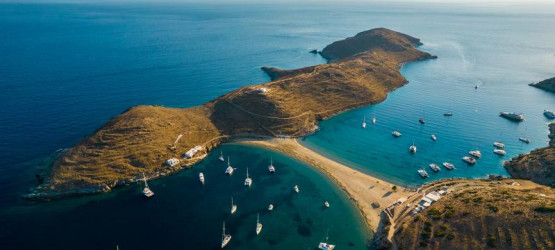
[{"x": 67, "y": 68}]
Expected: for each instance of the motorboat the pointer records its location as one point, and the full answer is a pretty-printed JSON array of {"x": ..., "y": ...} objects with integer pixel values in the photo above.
[
  {"x": 396, "y": 133},
  {"x": 421, "y": 120},
  {"x": 422, "y": 173},
  {"x": 448, "y": 165},
  {"x": 498, "y": 144},
  {"x": 524, "y": 139},
  {"x": 475, "y": 153},
  {"x": 270, "y": 207},
  {"x": 326, "y": 203},
  {"x": 512, "y": 116},
  {"x": 549, "y": 114},
  {"x": 201, "y": 177},
  {"x": 499, "y": 151},
  {"x": 447, "y": 114},
  {"x": 324, "y": 245},
  {"x": 296, "y": 188},
  {"x": 469, "y": 160},
  {"x": 434, "y": 167},
  {"x": 434, "y": 138}
]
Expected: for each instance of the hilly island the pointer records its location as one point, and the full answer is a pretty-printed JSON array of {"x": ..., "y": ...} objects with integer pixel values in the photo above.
[{"x": 154, "y": 140}]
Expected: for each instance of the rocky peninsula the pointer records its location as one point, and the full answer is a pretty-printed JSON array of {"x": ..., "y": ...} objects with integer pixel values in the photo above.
[
  {"x": 158, "y": 141},
  {"x": 547, "y": 85}
]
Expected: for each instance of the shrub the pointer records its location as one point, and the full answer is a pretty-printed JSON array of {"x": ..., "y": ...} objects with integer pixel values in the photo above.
[
  {"x": 450, "y": 236},
  {"x": 492, "y": 240},
  {"x": 394, "y": 188},
  {"x": 517, "y": 212},
  {"x": 545, "y": 209},
  {"x": 439, "y": 234}
]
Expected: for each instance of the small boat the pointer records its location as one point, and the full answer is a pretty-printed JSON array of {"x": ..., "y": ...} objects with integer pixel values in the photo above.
[
  {"x": 326, "y": 203},
  {"x": 225, "y": 238},
  {"x": 469, "y": 160},
  {"x": 549, "y": 114},
  {"x": 258, "y": 224},
  {"x": 270, "y": 207},
  {"x": 498, "y": 144},
  {"x": 412, "y": 148},
  {"x": 324, "y": 245},
  {"x": 475, "y": 86},
  {"x": 512, "y": 116},
  {"x": 229, "y": 169},
  {"x": 421, "y": 120},
  {"x": 201, "y": 177},
  {"x": 296, "y": 188},
  {"x": 271, "y": 168},
  {"x": 448, "y": 166},
  {"x": 524, "y": 139},
  {"x": 447, "y": 114},
  {"x": 475, "y": 153},
  {"x": 373, "y": 119},
  {"x": 434, "y": 167},
  {"x": 434, "y": 138},
  {"x": 422, "y": 173},
  {"x": 248, "y": 180},
  {"x": 146, "y": 191},
  {"x": 233, "y": 206},
  {"x": 364, "y": 122},
  {"x": 499, "y": 151},
  {"x": 396, "y": 133},
  {"x": 221, "y": 158}
]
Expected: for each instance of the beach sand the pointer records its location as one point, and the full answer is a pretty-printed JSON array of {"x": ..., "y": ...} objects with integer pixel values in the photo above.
[{"x": 362, "y": 188}]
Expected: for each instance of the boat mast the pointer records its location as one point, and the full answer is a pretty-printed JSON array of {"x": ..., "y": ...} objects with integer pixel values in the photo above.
[
  {"x": 247, "y": 172},
  {"x": 223, "y": 232},
  {"x": 144, "y": 179},
  {"x": 228, "y": 162}
]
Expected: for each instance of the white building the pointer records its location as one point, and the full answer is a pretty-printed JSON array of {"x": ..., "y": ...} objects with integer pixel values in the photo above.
[
  {"x": 189, "y": 154},
  {"x": 262, "y": 90},
  {"x": 172, "y": 162}
]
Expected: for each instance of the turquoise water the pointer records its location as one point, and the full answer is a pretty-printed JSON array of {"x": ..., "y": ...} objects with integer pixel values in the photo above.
[{"x": 67, "y": 68}]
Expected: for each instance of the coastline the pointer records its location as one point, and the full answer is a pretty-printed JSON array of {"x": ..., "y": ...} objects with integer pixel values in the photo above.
[{"x": 362, "y": 188}]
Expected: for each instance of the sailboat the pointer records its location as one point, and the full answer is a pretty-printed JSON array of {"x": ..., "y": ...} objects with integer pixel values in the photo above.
[
  {"x": 233, "y": 206},
  {"x": 229, "y": 169},
  {"x": 412, "y": 149},
  {"x": 326, "y": 203},
  {"x": 373, "y": 119},
  {"x": 434, "y": 138},
  {"x": 201, "y": 177},
  {"x": 363, "y": 121},
  {"x": 258, "y": 224},
  {"x": 248, "y": 180},
  {"x": 221, "y": 158},
  {"x": 225, "y": 237},
  {"x": 324, "y": 245},
  {"x": 524, "y": 138},
  {"x": 271, "y": 207},
  {"x": 296, "y": 188},
  {"x": 271, "y": 168},
  {"x": 146, "y": 191}
]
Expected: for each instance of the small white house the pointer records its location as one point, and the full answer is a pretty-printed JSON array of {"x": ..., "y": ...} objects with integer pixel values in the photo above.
[
  {"x": 172, "y": 162},
  {"x": 262, "y": 90},
  {"x": 433, "y": 196},
  {"x": 189, "y": 154}
]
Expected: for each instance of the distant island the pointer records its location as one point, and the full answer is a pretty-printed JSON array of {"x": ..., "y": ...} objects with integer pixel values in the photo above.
[
  {"x": 157, "y": 141},
  {"x": 547, "y": 85}
]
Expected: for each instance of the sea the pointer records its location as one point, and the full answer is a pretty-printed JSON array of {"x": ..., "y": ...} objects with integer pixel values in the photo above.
[{"x": 67, "y": 68}]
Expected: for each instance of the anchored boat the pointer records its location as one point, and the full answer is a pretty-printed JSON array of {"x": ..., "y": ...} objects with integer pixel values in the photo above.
[
  {"x": 396, "y": 133},
  {"x": 422, "y": 173},
  {"x": 225, "y": 237},
  {"x": 512, "y": 116},
  {"x": 201, "y": 177},
  {"x": 258, "y": 224},
  {"x": 271, "y": 168},
  {"x": 229, "y": 169},
  {"x": 434, "y": 167},
  {"x": 233, "y": 206},
  {"x": 499, "y": 151},
  {"x": 475, "y": 153},
  {"x": 324, "y": 245},
  {"x": 448, "y": 166},
  {"x": 469, "y": 160},
  {"x": 146, "y": 191},
  {"x": 248, "y": 180}
]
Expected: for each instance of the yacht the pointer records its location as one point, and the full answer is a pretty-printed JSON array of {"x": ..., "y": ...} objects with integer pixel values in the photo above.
[
  {"x": 146, "y": 191},
  {"x": 475, "y": 153},
  {"x": 225, "y": 238},
  {"x": 434, "y": 138},
  {"x": 412, "y": 148},
  {"x": 422, "y": 173},
  {"x": 326, "y": 203},
  {"x": 221, "y": 158},
  {"x": 373, "y": 119},
  {"x": 248, "y": 180},
  {"x": 469, "y": 159},
  {"x": 512, "y": 116},
  {"x": 396, "y": 133},
  {"x": 201, "y": 177},
  {"x": 447, "y": 114},
  {"x": 324, "y": 245},
  {"x": 270, "y": 207},
  {"x": 364, "y": 122},
  {"x": 296, "y": 188},
  {"x": 421, "y": 120},
  {"x": 549, "y": 114},
  {"x": 434, "y": 167},
  {"x": 524, "y": 139},
  {"x": 448, "y": 166},
  {"x": 271, "y": 168},
  {"x": 499, "y": 151},
  {"x": 258, "y": 224},
  {"x": 233, "y": 206},
  {"x": 498, "y": 144},
  {"x": 229, "y": 169}
]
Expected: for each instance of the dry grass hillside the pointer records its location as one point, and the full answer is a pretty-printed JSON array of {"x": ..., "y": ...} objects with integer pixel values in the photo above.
[
  {"x": 486, "y": 215},
  {"x": 141, "y": 139}
]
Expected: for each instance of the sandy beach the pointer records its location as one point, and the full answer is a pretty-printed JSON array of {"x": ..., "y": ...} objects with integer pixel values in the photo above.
[{"x": 362, "y": 188}]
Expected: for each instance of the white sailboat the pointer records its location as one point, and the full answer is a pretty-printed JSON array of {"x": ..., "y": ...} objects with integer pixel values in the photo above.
[
  {"x": 326, "y": 203},
  {"x": 248, "y": 180},
  {"x": 434, "y": 138},
  {"x": 233, "y": 206},
  {"x": 271, "y": 207},
  {"x": 229, "y": 169},
  {"x": 271, "y": 168},
  {"x": 363, "y": 121},
  {"x": 221, "y": 158},
  {"x": 225, "y": 237},
  {"x": 396, "y": 133},
  {"x": 201, "y": 177},
  {"x": 146, "y": 191},
  {"x": 296, "y": 188},
  {"x": 258, "y": 224},
  {"x": 373, "y": 119},
  {"x": 324, "y": 245},
  {"x": 412, "y": 149}
]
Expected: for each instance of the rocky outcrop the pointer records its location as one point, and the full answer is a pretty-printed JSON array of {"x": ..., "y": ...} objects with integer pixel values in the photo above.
[{"x": 547, "y": 85}]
